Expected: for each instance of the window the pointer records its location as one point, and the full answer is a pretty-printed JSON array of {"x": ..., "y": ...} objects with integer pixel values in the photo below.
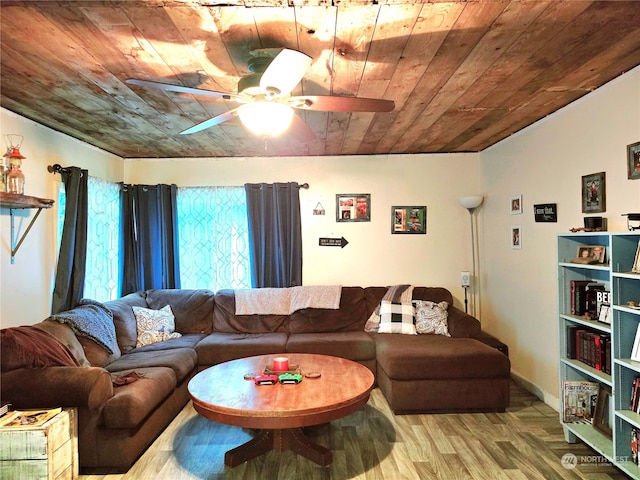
[
  {"x": 102, "y": 275},
  {"x": 213, "y": 238}
]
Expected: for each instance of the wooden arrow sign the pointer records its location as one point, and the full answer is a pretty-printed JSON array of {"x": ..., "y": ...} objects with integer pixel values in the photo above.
[{"x": 332, "y": 242}]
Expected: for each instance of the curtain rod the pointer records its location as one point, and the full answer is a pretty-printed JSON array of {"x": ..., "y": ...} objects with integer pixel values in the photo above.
[
  {"x": 304, "y": 185},
  {"x": 56, "y": 168}
]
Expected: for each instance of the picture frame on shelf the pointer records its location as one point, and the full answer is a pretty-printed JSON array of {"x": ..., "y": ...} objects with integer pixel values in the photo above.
[
  {"x": 603, "y": 416},
  {"x": 635, "y": 350},
  {"x": 353, "y": 207},
  {"x": 516, "y": 237},
  {"x": 516, "y": 205},
  {"x": 409, "y": 220},
  {"x": 633, "y": 161},
  {"x": 594, "y": 198},
  {"x": 591, "y": 254},
  {"x": 636, "y": 261},
  {"x": 604, "y": 315}
]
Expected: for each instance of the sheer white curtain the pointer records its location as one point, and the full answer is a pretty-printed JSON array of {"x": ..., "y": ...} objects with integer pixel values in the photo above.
[{"x": 212, "y": 238}]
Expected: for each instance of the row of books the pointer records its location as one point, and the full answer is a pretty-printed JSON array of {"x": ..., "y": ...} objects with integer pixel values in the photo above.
[
  {"x": 590, "y": 347},
  {"x": 587, "y": 298}
]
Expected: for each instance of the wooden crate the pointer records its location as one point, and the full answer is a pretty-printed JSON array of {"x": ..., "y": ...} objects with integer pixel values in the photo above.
[{"x": 48, "y": 451}]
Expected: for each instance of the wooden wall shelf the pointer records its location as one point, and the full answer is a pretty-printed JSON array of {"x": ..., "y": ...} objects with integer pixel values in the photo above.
[{"x": 14, "y": 201}]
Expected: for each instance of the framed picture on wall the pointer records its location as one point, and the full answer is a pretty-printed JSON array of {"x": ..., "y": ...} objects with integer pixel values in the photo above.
[
  {"x": 353, "y": 207},
  {"x": 516, "y": 205},
  {"x": 594, "y": 197},
  {"x": 633, "y": 161},
  {"x": 409, "y": 220},
  {"x": 516, "y": 237}
]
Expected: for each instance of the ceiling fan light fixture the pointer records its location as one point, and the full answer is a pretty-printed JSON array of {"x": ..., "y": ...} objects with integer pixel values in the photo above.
[{"x": 266, "y": 119}]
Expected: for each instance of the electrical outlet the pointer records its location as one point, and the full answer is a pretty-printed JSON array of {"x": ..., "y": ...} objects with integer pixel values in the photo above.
[{"x": 465, "y": 279}]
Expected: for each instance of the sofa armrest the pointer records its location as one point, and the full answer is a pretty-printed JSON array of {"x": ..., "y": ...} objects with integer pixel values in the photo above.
[
  {"x": 56, "y": 387},
  {"x": 461, "y": 324}
]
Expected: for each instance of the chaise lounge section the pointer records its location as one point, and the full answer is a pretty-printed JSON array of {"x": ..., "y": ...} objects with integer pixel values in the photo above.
[{"x": 127, "y": 397}]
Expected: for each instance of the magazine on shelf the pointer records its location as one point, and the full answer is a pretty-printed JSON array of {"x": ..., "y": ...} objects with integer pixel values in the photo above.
[
  {"x": 28, "y": 418},
  {"x": 579, "y": 398}
]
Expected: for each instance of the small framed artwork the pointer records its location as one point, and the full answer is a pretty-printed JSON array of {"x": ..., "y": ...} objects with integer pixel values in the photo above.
[
  {"x": 516, "y": 205},
  {"x": 593, "y": 193},
  {"x": 603, "y": 416},
  {"x": 353, "y": 207},
  {"x": 516, "y": 237},
  {"x": 409, "y": 220},
  {"x": 545, "y": 212},
  {"x": 633, "y": 161}
]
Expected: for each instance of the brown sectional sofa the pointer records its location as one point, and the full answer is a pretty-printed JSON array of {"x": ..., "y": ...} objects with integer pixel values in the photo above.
[{"x": 416, "y": 373}]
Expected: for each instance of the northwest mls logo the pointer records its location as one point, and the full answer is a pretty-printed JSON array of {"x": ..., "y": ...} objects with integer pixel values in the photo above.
[{"x": 569, "y": 461}]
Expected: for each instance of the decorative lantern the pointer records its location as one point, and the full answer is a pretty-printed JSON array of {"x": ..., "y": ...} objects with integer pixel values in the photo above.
[{"x": 14, "y": 179}]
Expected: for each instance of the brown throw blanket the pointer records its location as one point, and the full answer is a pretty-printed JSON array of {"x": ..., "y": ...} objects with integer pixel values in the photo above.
[
  {"x": 395, "y": 294},
  {"x": 30, "y": 347}
]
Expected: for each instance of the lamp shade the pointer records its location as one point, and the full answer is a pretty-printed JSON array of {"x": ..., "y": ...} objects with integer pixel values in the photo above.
[
  {"x": 266, "y": 119},
  {"x": 472, "y": 201}
]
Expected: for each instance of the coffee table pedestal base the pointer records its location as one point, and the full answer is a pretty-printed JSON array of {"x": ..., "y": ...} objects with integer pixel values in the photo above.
[{"x": 292, "y": 439}]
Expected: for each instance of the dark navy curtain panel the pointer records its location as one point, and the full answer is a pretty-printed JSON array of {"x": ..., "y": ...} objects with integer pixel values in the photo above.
[
  {"x": 275, "y": 234},
  {"x": 149, "y": 238},
  {"x": 70, "y": 272}
]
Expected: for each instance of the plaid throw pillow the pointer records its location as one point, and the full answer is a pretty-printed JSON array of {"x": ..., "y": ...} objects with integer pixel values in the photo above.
[{"x": 396, "y": 318}]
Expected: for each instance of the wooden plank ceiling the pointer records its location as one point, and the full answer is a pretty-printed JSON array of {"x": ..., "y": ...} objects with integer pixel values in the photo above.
[{"x": 463, "y": 74}]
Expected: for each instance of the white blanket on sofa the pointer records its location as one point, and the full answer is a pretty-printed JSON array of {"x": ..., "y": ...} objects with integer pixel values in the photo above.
[{"x": 284, "y": 301}]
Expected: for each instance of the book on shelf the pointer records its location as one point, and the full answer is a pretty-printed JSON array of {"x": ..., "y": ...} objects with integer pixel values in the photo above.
[
  {"x": 603, "y": 297},
  {"x": 579, "y": 398},
  {"x": 635, "y": 434},
  {"x": 28, "y": 418},
  {"x": 591, "y": 291},
  {"x": 577, "y": 296},
  {"x": 590, "y": 347}
]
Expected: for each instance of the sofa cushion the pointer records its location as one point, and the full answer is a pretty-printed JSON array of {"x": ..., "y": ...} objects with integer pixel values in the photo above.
[
  {"x": 431, "y": 317},
  {"x": 181, "y": 360},
  {"x": 356, "y": 346},
  {"x": 397, "y": 318},
  {"x": 188, "y": 340},
  {"x": 192, "y": 309},
  {"x": 222, "y": 347},
  {"x": 64, "y": 334},
  {"x": 133, "y": 402},
  {"x": 225, "y": 319},
  {"x": 416, "y": 357},
  {"x": 154, "y": 326},
  {"x": 97, "y": 356},
  {"x": 350, "y": 317},
  {"x": 124, "y": 319}
]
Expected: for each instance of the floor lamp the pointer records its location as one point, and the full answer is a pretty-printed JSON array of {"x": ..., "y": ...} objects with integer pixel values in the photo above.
[{"x": 471, "y": 203}]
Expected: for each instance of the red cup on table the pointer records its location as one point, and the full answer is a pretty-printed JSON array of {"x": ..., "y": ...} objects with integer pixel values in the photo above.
[{"x": 280, "y": 364}]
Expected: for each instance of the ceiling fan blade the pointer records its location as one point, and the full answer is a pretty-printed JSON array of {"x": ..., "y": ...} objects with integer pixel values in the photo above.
[
  {"x": 285, "y": 72},
  {"x": 328, "y": 103},
  {"x": 217, "y": 120},
  {"x": 178, "y": 88},
  {"x": 300, "y": 130}
]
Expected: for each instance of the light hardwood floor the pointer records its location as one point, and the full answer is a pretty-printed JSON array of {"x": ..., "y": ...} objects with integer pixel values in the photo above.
[{"x": 525, "y": 442}]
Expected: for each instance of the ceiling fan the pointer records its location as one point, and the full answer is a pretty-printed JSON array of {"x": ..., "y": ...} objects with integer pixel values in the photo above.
[{"x": 267, "y": 106}]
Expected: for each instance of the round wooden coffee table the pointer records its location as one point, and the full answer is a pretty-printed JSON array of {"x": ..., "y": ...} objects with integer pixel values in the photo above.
[{"x": 221, "y": 393}]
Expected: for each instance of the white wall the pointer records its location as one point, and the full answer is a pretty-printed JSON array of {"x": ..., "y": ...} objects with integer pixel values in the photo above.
[
  {"x": 545, "y": 163},
  {"x": 373, "y": 256},
  {"x": 26, "y": 285}
]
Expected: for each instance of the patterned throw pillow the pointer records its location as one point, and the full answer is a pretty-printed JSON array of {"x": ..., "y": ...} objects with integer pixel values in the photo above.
[
  {"x": 431, "y": 317},
  {"x": 154, "y": 325},
  {"x": 396, "y": 318}
]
